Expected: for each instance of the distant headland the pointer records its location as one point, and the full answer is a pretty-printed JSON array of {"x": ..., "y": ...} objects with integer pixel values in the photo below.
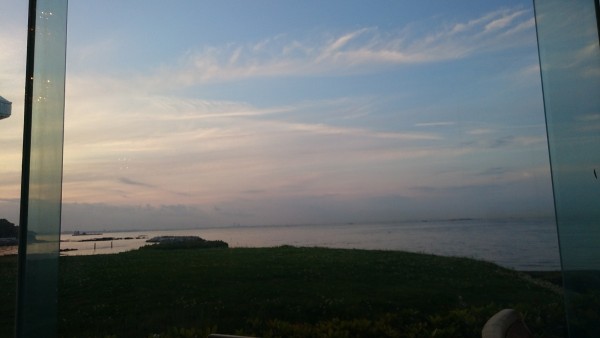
[{"x": 9, "y": 233}]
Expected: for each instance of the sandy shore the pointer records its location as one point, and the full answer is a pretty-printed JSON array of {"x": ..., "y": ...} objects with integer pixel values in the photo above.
[{"x": 8, "y": 250}]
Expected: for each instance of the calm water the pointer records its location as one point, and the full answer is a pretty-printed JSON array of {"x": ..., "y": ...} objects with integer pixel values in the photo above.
[{"x": 518, "y": 244}]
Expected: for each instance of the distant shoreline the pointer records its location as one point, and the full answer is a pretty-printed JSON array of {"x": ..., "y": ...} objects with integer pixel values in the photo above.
[
  {"x": 523, "y": 245},
  {"x": 10, "y": 241}
]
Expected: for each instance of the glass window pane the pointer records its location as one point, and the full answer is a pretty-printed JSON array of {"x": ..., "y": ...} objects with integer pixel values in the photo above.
[
  {"x": 42, "y": 176},
  {"x": 570, "y": 62}
]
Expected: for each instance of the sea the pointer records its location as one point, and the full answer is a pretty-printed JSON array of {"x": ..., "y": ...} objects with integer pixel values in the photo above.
[{"x": 520, "y": 244}]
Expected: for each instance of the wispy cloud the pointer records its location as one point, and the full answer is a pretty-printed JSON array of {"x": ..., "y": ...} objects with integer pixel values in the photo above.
[
  {"x": 589, "y": 117},
  {"x": 357, "y": 132},
  {"x": 504, "y": 20},
  {"x": 435, "y": 124},
  {"x": 360, "y": 50},
  {"x": 480, "y": 131},
  {"x": 172, "y": 142},
  {"x": 589, "y": 124},
  {"x": 135, "y": 183}
]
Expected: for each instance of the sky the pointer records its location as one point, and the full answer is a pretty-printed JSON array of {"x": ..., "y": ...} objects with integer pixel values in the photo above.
[{"x": 195, "y": 114}]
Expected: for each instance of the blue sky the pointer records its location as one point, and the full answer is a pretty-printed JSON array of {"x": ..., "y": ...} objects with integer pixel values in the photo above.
[{"x": 195, "y": 114}]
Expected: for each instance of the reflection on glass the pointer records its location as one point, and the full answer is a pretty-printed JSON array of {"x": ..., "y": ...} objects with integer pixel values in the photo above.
[
  {"x": 41, "y": 199},
  {"x": 570, "y": 64}
]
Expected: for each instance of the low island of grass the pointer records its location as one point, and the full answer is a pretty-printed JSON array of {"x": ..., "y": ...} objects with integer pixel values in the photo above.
[{"x": 288, "y": 292}]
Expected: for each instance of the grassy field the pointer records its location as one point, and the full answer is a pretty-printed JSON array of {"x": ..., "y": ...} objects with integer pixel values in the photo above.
[
  {"x": 8, "y": 284},
  {"x": 288, "y": 292}
]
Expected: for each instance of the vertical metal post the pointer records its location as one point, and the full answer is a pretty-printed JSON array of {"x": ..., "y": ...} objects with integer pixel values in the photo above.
[{"x": 25, "y": 167}]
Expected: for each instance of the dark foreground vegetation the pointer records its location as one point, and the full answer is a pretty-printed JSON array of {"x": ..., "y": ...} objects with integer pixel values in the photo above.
[{"x": 288, "y": 292}]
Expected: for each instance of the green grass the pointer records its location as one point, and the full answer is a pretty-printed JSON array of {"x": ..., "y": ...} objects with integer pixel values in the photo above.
[{"x": 292, "y": 292}]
